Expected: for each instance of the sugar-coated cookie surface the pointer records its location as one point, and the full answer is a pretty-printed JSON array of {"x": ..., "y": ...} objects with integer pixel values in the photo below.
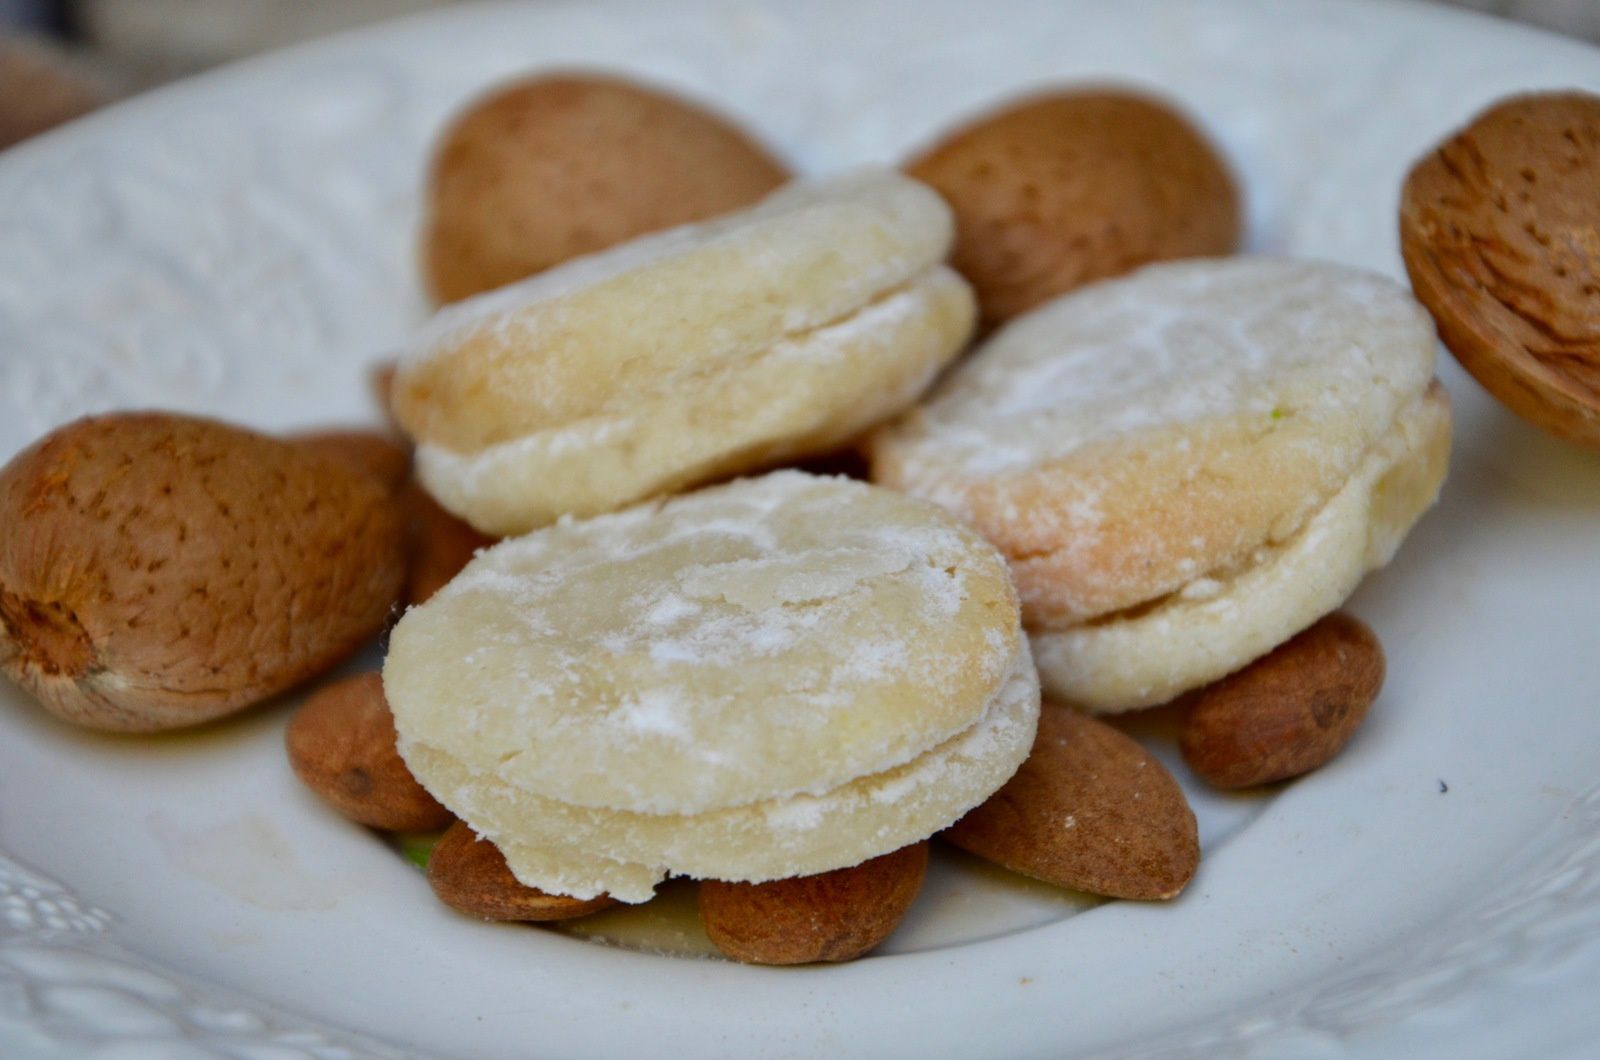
[
  {"x": 655, "y": 362},
  {"x": 809, "y": 394},
  {"x": 1188, "y": 466},
  {"x": 705, "y": 659},
  {"x": 1124, "y": 440},
  {"x": 584, "y": 851},
  {"x": 1219, "y": 623}
]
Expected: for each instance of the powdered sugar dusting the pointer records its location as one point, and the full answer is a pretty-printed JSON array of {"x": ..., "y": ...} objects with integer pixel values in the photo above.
[
  {"x": 507, "y": 309},
  {"x": 556, "y": 846},
  {"x": 669, "y": 609},
  {"x": 799, "y": 814},
  {"x": 655, "y": 711},
  {"x": 773, "y": 636},
  {"x": 1174, "y": 343}
]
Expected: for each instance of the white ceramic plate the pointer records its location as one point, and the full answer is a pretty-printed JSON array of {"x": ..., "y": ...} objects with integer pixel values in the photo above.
[{"x": 242, "y": 244}]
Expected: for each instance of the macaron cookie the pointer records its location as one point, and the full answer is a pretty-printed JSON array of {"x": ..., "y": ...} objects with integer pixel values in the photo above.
[
  {"x": 1500, "y": 230},
  {"x": 687, "y": 356},
  {"x": 561, "y": 165},
  {"x": 1065, "y": 188},
  {"x": 776, "y": 677},
  {"x": 1187, "y": 466}
]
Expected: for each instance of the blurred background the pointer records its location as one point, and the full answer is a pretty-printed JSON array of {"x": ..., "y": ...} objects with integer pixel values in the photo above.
[{"x": 62, "y": 58}]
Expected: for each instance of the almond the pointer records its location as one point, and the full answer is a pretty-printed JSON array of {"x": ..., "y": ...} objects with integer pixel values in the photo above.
[
  {"x": 43, "y": 85},
  {"x": 341, "y": 745},
  {"x": 470, "y": 875},
  {"x": 1288, "y": 712},
  {"x": 554, "y": 167},
  {"x": 380, "y": 378},
  {"x": 833, "y": 916},
  {"x": 160, "y": 570},
  {"x": 438, "y": 544},
  {"x": 374, "y": 452},
  {"x": 1090, "y": 809},
  {"x": 1500, "y": 231},
  {"x": 441, "y": 545},
  {"x": 1066, "y": 188}
]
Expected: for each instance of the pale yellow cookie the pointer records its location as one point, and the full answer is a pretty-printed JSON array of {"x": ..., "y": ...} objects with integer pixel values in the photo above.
[
  {"x": 652, "y": 687},
  {"x": 1166, "y": 433},
  {"x": 583, "y": 851},
  {"x": 686, "y": 356},
  {"x": 1217, "y": 623}
]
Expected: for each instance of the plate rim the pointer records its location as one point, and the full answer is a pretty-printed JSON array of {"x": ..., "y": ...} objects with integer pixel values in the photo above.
[{"x": 1566, "y": 886}]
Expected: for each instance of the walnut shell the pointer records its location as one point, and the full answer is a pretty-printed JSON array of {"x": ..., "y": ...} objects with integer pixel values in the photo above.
[
  {"x": 1500, "y": 231},
  {"x": 160, "y": 570},
  {"x": 554, "y": 167},
  {"x": 1063, "y": 189}
]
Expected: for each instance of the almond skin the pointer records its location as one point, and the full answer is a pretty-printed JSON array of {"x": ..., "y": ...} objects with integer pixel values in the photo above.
[
  {"x": 43, "y": 86},
  {"x": 1062, "y": 189},
  {"x": 160, "y": 570},
  {"x": 550, "y": 168},
  {"x": 341, "y": 745},
  {"x": 441, "y": 544},
  {"x": 1091, "y": 810},
  {"x": 1289, "y": 711},
  {"x": 832, "y": 916},
  {"x": 380, "y": 381},
  {"x": 438, "y": 543},
  {"x": 1500, "y": 231},
  {"x": 470, "y": 875},
  {"x": 374, "y": 452}
]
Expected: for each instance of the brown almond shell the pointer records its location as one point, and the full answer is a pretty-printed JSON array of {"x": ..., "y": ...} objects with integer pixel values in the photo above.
[
  {"x": 377, "y": 453},
  {"x": 160, "y": 570},
  {"x": 1066, "y": 188},
  {"x": 1500, "y": 232},
  {"x": 553, "y": 167}
]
